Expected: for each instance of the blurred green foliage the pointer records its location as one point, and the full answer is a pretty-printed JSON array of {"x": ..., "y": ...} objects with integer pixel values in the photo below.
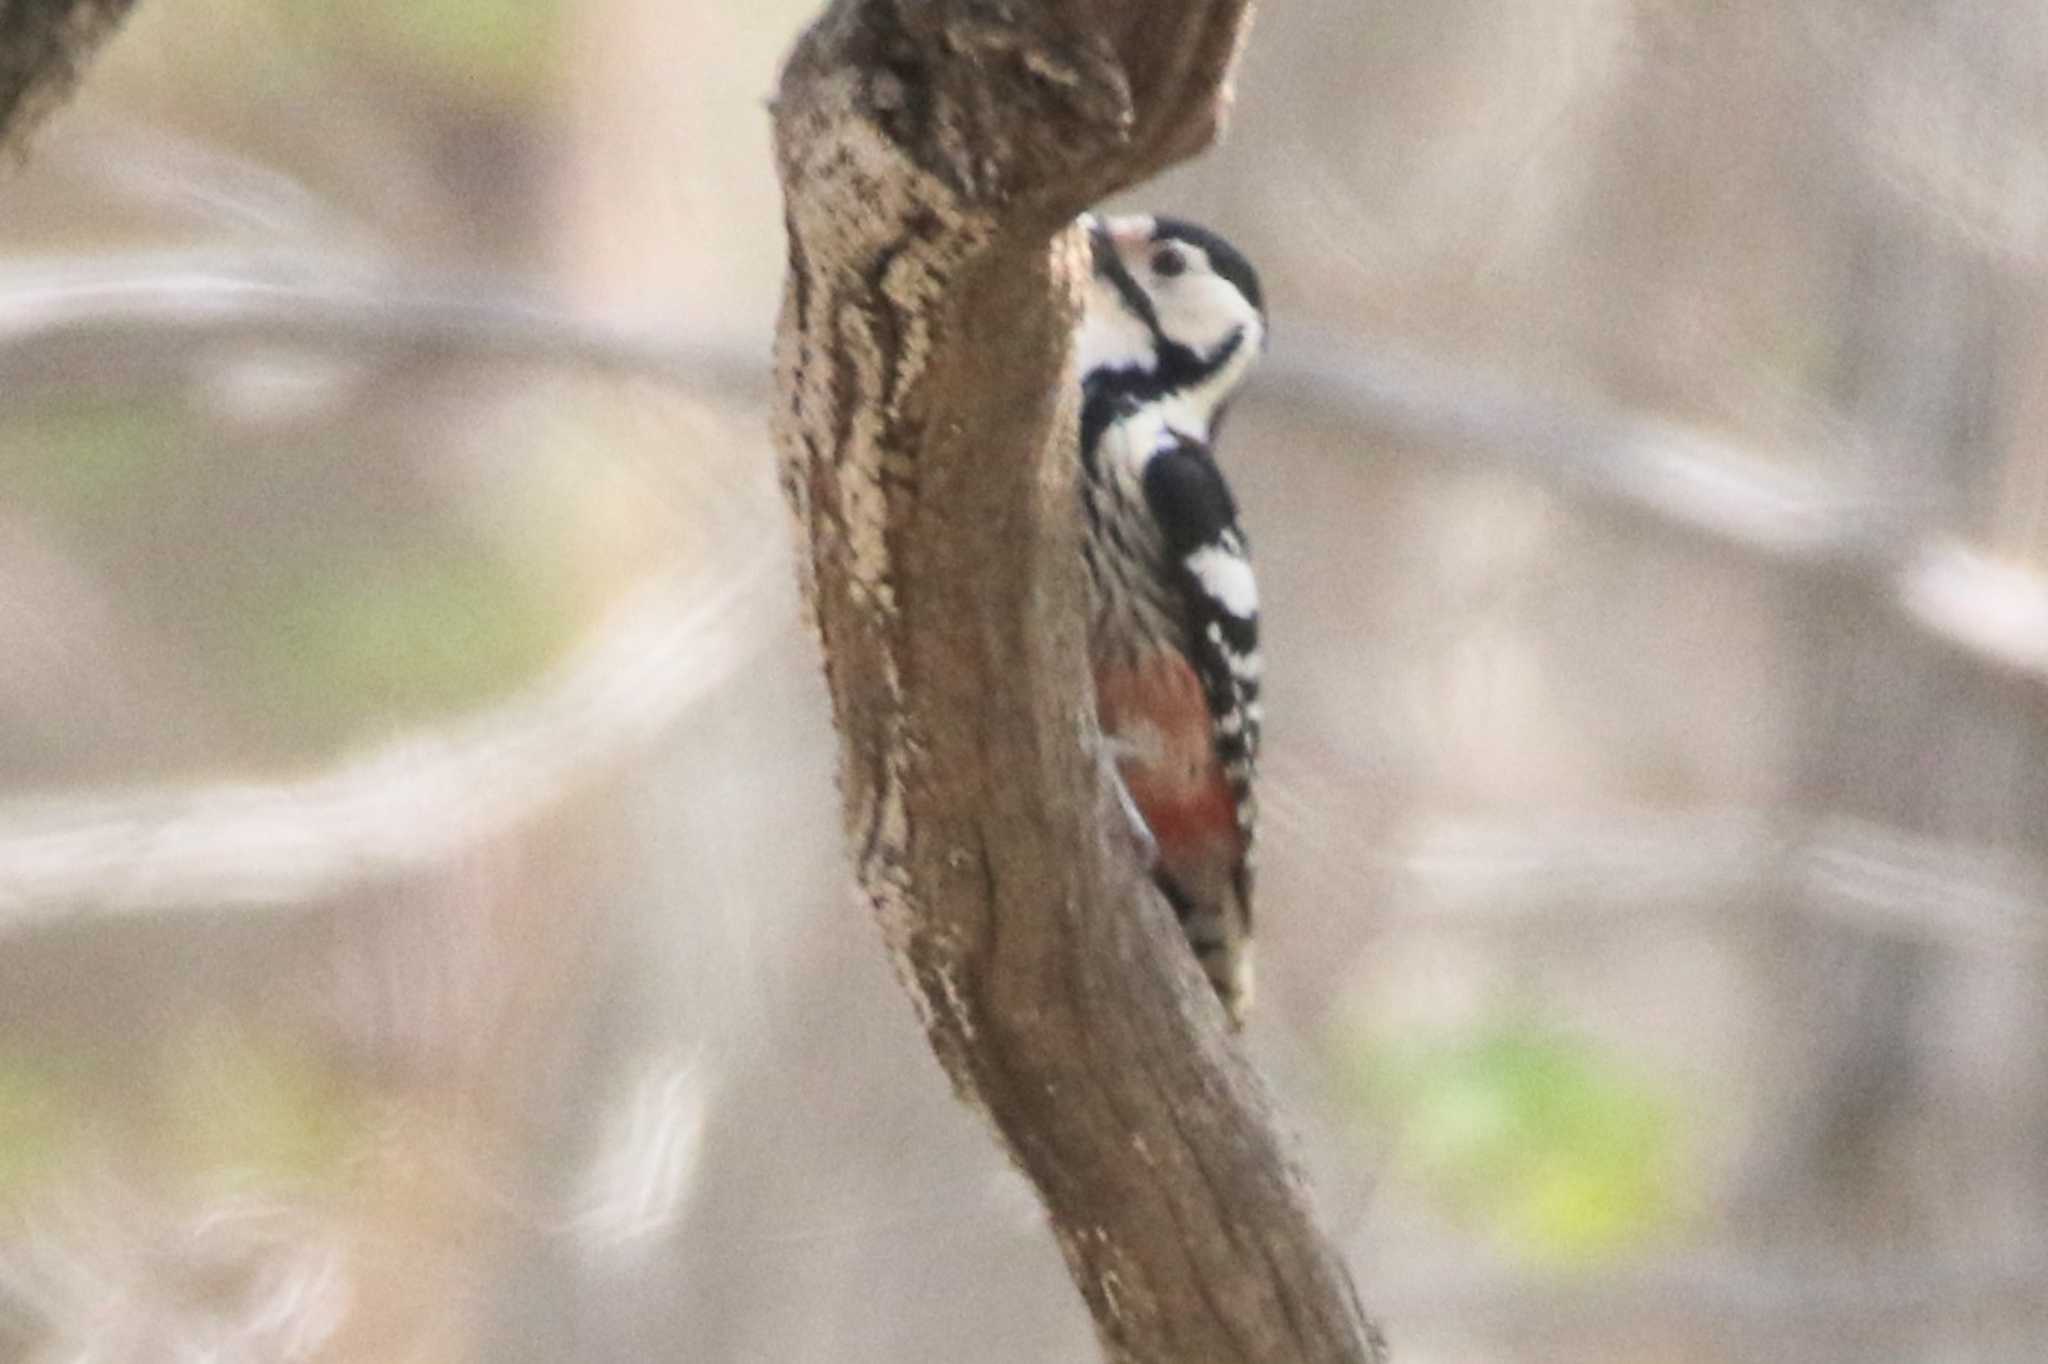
[
  {"x": 90, "y": 461},
  {"x": 1547, "y": 1142},
  {"x": 245, "y": 1105},
  {"x": 37, "y": 1120},
  {"x": 389, "y": 635},
  {"x": 497, "y": 50},
  {"x": 324, "y": 593},
  {"x": 228, "y": 1101}
]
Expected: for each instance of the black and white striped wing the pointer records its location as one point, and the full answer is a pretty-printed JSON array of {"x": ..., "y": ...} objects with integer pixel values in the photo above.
[{"x": 1211, "y": 560}]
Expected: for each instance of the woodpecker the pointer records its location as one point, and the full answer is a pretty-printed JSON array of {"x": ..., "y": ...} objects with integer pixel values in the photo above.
[{"x": 1173, "y": 323}]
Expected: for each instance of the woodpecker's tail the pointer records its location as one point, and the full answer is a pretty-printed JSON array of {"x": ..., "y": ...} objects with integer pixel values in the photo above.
[{"x": 1220, "y": 933}]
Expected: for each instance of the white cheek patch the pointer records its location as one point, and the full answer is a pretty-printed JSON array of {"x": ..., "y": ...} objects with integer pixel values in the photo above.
[
  {"x": 1228, "y": 578},
  {"x": 1200, "y": 311}
]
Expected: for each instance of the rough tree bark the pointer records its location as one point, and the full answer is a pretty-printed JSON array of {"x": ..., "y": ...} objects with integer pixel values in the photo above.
[{"x": 933, "y": 154}]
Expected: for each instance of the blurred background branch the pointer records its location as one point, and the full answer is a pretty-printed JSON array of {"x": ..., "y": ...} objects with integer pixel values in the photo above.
[
  {"x": 137, "y": 318},
  {"x": 407, "y": 806},
  {"x": 146, "y": 319}
]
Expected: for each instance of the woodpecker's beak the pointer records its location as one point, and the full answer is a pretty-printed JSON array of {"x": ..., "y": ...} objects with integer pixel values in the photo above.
[
  {"x": 1120, "y": 241},
  {"x": 1101, "y": 250},
  {"x": 1130, "y": 233}
]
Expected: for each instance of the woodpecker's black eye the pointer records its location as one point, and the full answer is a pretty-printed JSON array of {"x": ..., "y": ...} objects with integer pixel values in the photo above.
[{"x": 1169, "y": 261}]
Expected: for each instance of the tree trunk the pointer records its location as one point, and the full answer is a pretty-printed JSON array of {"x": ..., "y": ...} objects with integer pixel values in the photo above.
[{"x": 932, "y": 157}]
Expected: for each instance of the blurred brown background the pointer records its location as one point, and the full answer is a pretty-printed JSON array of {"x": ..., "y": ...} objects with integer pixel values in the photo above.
[{"x": 423, "y": 931}]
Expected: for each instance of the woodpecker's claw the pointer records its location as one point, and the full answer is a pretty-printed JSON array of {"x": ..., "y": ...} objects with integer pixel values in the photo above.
[{"x": 1142, "y": 842}]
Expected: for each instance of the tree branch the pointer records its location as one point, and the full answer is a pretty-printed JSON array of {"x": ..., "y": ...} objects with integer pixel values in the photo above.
[{"x": 932, "y": 156}]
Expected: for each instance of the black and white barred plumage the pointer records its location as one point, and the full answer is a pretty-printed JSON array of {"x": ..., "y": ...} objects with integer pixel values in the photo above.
[{"x": 1175, "y": 320}]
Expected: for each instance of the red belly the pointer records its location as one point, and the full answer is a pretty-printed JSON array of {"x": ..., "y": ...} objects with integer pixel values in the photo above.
[{"x": 1159, "y": 722}]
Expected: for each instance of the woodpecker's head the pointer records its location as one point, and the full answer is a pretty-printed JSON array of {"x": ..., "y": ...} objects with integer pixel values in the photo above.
[{"x": 1174, "y": 314}]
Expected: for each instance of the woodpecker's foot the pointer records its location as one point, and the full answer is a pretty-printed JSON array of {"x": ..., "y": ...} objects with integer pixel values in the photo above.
[{"x": 1142, "y": 843}]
